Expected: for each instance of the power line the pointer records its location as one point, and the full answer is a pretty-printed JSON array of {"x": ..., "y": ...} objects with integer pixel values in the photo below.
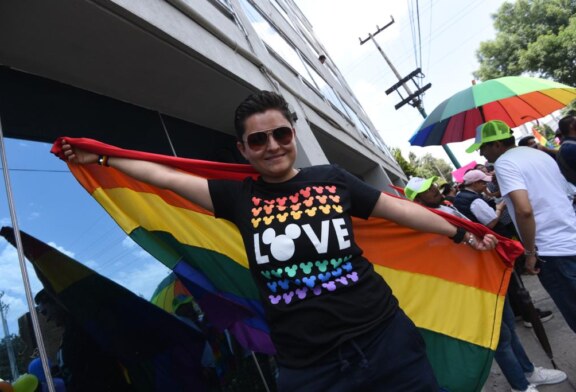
[{"x": 38, "y": 170}]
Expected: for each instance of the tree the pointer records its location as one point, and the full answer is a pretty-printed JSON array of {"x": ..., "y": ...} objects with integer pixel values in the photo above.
[
  {"x": 425, "y": 166},
  {"x": 535, "y": 37},
  {"x": 428, "y": 166},
  {"x": 21, "y": 360},
  {"x": 406, "y": 166}
]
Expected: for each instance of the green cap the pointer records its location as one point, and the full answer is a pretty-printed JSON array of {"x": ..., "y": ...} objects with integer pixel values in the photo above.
[
  {"x": 417, "y": 185},
  {"x": 490, "y": 132}
]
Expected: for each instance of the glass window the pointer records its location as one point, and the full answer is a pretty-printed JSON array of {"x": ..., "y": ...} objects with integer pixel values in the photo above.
[
  {"x": 310, "y": 46},
  {"x": 325, "y": 89},
  {"x": 274, "y": 39},
  {"x": 283, "y": 13},
  {"x": 356, "y": 120},
  {"x": 222, "y": 5}
]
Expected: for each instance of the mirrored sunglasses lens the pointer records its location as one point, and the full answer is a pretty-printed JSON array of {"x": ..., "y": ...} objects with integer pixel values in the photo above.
[
  {"x": 283, "y": 135},
  {"x": 257, "y": 139}
]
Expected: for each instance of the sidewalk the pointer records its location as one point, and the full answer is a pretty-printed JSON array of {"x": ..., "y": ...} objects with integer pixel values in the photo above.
[{"x": 562, "y": 340}]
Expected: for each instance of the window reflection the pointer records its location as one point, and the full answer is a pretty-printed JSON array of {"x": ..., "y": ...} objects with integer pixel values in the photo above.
[
  {"x": 283, "y": 13},
  {"x": 273, "y": 38},
  {"x": 325, "y": 89}
]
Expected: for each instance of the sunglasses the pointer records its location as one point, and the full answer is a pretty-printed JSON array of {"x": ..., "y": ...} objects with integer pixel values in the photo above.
[{"x": 258, "y": 140}]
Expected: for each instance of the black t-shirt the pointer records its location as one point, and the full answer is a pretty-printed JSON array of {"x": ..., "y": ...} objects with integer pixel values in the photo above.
[{"x": 317, "y": 289}]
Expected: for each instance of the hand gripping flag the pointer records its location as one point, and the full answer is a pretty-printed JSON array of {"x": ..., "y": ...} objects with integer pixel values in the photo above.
[{"x": 454, "y": 294}]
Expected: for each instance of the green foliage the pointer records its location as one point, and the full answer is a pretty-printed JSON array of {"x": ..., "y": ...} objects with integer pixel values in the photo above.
[
  {"x": 21, "y": 359},
  {"x": 546, "y": 131},
  {"x": 406, "y": 166},
  {"x": 536, "y": 37},
  {"x": 570, "y": 109},
  {"x": 428, "y": 166},
  {"x": 425, "y": 166}
]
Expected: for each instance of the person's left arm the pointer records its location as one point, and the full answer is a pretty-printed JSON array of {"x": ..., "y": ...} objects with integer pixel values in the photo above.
[{"x": 416, "y": 217}]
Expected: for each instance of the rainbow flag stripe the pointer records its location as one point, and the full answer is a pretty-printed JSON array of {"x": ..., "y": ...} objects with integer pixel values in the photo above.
[{"x": 455, "y": 295}]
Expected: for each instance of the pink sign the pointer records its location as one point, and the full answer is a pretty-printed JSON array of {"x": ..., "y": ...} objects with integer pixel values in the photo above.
[{"x": 459, "y": 173}]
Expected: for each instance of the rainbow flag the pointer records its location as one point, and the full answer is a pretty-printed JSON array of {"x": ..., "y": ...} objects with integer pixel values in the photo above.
[
  {"x": 455, "y": 295},
  {"x": 542, "y": 140},
  {"x": 155, "y": 351}
]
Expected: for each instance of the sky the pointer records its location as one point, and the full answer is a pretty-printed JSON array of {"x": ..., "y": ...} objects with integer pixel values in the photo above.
[
  {"x": 53, "y": 207},
  {"x": 450, "y": 33}
]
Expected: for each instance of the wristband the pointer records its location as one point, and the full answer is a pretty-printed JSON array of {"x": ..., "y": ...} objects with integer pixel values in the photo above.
[
  {"x": 459, "y": 236},
  {"x": 531, "y": 253}
]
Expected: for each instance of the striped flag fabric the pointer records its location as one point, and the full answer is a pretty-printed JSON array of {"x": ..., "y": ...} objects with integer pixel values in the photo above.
[
  {"x": 542, "y": 140},
  {"x": 155, "y": 351},
  {"x": 454, "y": 295}
]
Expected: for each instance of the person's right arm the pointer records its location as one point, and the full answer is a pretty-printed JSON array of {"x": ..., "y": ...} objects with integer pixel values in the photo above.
[
  {"x": 526, "y": 227},
  {"x": 186, "y": 185},
  {"x": 485, "y": 214}
]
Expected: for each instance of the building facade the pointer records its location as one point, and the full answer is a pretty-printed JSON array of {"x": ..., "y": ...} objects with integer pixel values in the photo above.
[{"x": 166, "y": 76}]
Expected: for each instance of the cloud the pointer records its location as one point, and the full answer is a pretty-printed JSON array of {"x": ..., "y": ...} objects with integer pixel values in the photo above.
[
  {"x": 61, "y": 249},
  {"x": 143, "y": 278},
  {"x": 11, "y": 283},
  {"x": 33, "y": 215},
  {"x": 128, "y": 243}
]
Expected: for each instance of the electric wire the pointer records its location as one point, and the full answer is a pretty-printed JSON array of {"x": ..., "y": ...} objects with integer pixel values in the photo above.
[
  {"x": 419, "y": 60},
  {"x": 430, "y": 35},
  {"x": 454, "y": 18}
]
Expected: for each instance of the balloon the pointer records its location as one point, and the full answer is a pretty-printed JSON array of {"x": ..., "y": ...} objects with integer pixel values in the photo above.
[
  {"x": 35, "y": 368},
  {"x": 25, "y": 383},
  {"x": 6, "y": 387}
]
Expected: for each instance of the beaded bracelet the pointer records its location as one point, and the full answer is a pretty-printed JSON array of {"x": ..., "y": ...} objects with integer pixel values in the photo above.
[{"x": 103, "y": 160}]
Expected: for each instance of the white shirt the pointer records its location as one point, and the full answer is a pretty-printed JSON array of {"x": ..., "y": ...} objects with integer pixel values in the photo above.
[
  {"x": 537, "y": 173},
  {"x": 482, "y": 210},
  {"x": 452, "y": 210}
]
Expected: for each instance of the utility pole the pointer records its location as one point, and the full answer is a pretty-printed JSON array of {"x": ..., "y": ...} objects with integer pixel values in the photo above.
[
  {"x": 11, "y": 357},
  {"x": 412, "y": 98}
]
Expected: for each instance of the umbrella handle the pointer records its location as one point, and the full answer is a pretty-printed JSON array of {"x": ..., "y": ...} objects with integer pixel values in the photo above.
[{"x": 517, "y": 278}]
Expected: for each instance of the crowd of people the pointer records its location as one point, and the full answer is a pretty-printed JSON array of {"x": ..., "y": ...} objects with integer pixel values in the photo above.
[
  {"x": 355, "y": 336},
  {"x": 524, "y": 192}
]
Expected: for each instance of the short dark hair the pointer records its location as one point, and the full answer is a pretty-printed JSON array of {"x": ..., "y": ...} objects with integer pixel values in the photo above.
[
  {"x": 565, "y": 123},
  {"x": 259, "y": 103},
  {"x": 510, "y": 142},
  {"x": 525, "y": 140},
  {"x": 42, "y": 297}
]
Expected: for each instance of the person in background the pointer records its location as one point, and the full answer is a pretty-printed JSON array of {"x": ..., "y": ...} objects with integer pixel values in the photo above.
[
  {"x": 471, "y": 203},
  {"x": 530, "y": 141},
  {"x": 510, "y": 354},
  {"x": 82, "y": 364},
  {"x": 426, "y": 192},
  {"x": 566, "y": 156},
  {"x": 448, "y": 191},
  {"x": 343, "y": 336},
  {"x": 537, "y": 196}
]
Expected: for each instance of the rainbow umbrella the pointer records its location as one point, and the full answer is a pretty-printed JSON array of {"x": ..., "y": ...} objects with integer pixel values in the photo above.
[
  {"x": 169, "y": 293},
  {"x": 512, "y": 99}
]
